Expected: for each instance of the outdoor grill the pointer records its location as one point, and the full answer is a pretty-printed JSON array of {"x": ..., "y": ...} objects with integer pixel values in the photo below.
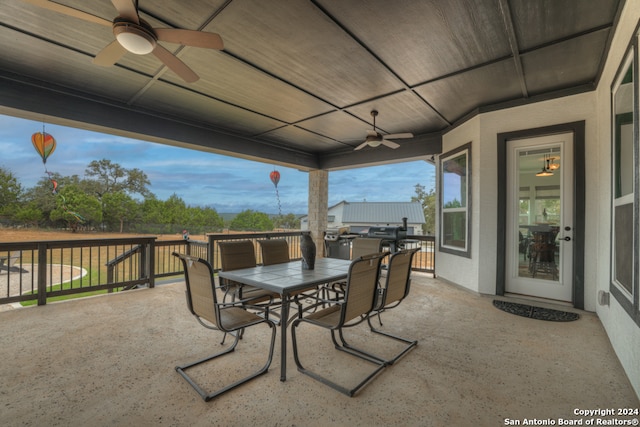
[
  {"x": 337, "y": 242},
  {"x": 392, "y": 237}
]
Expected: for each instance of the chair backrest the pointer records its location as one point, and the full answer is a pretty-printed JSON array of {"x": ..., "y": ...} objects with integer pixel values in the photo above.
[
  {"x": 201, "y": 291},
  {"x": 363, "y": 246},
  {"x": 398, "y": 276},
  {"x": 361, "y": 287},
  {"x": 237, "y": 254},
  {"x": 274, "y": 251}
]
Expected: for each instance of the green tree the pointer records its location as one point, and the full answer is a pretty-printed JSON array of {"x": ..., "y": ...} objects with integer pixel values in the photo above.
[
  {"x": 175, "y": 213},
  {"x": 428, "y": 202},
  {"x": 29, "y": 214},
  {"x": 42, "y": 196},
  {"x": 250, "y": 220},
  {"x": 111, "y": 177},
  {"x": 287, "y": 222},
  {"x": 76, "y": 207},
  {"x": 10, "y": 193},
  {"x": 200, "y": 220},
  {"x": 118, "y": 208}
]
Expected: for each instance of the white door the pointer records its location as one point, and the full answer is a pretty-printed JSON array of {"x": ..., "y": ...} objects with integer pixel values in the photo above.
[{"x": 539, "y": 214}]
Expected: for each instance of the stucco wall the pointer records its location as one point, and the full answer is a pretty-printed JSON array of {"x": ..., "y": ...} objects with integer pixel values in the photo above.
[
  {"x": 457, "y": 269},
  {"x": 479, "y": 273},
  {"x": 622, "y": 331}
]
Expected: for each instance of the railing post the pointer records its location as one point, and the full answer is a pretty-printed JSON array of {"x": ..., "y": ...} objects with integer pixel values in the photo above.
[
  {"x": 151, "y": 257},
  {"x": 42, "y": 273},
  {"x": 142, "y": 262},
  {"x": 210, "y": 251}
]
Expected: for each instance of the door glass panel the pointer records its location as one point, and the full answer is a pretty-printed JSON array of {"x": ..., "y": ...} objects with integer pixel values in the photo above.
[{"x": 539, "y": 212}]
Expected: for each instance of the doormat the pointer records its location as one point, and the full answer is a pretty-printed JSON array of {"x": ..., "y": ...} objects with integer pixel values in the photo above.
[{"x": 539, "y": 313}]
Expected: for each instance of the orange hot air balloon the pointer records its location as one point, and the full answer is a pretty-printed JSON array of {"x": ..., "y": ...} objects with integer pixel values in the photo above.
[
  {"x": 44, "y": 144},
  {"x": 275, "y": 177}
]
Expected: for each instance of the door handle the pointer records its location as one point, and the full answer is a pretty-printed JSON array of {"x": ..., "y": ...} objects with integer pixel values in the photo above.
[{"x": 567, "y": 238}]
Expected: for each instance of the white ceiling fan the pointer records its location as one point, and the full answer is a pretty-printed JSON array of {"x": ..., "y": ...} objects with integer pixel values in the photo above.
[
  {"x": 135, "y": 35},
  {"x": 375, "y": 138}
]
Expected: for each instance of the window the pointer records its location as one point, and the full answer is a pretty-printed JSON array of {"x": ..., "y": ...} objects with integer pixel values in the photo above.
[
  {"x": 624, "y": 183},
  {"x": 455, "y": 197}
]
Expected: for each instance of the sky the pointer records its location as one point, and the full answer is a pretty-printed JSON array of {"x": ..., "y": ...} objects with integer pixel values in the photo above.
[{"x": 228, "y": 184}]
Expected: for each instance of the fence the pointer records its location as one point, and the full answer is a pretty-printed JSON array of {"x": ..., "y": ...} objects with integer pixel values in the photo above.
[{"x": 34, "y": 272}]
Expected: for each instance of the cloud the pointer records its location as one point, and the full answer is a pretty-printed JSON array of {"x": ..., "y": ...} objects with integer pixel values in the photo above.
[{"x": 225, "y": 183}]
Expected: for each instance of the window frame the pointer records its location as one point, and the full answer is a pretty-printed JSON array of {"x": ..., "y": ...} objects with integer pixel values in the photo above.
[
  {"x": 465, "y": 251},
  {"x": 628, "y": 299}
]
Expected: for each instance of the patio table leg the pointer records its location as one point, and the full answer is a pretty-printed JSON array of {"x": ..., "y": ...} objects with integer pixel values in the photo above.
[{"x": 283, "y": 337}]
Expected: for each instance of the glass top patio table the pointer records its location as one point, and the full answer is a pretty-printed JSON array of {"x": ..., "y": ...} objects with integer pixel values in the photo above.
[{"x": 285, "y": 279}]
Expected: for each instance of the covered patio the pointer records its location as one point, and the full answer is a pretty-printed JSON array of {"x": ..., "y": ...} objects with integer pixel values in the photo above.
[
  {"x": 109, "y": 360},
  {"x": 296, "y": 84}
]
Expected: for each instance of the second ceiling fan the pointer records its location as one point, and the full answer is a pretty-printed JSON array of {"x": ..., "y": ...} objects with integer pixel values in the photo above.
[
  {"x": 135, "y": 35},
  {"x": 375, "y": 138}
]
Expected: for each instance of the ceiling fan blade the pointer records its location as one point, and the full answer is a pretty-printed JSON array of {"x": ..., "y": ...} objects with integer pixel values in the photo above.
[
  {"x": 399, "y": 135},
  {"x": 127, "y": 10},
  {"x": 190, "y": 38},
  {"x": 69, "y": 11},
  {"x": 175, "y": 64},
  {"x": 390, "y": 144},
  {"x": 110, "y": 54},
  {"x": 361, "y": 146}
]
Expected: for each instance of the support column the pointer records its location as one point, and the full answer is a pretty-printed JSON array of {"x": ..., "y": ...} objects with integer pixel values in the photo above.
[{"x": 318, "y": 207}]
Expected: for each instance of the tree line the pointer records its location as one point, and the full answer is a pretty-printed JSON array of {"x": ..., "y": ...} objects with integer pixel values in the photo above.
[{"x": 112, "y": 198}]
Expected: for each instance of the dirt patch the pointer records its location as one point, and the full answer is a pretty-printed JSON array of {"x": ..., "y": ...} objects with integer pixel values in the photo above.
[
  {"x": 17, "y": 281},
  {"x": 30, "y": 235}
]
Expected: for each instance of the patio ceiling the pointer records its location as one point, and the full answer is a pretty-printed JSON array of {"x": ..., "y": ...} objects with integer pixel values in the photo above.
[{"x": 297, "y": 80}]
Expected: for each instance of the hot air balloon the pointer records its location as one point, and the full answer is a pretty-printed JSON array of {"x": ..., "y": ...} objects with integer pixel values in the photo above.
[
  {"x": 44, "y": 143},
  {"x": 275, "y": 178}
]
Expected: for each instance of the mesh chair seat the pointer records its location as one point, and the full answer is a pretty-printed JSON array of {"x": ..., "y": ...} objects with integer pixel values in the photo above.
[
  {"x": 233, "y": 318},
  {"x": 357, "y": 302},
  {"x": 274, "y": 251},
  {"x": 235, "y": 255},
  {"x": 395, "y": 289}
]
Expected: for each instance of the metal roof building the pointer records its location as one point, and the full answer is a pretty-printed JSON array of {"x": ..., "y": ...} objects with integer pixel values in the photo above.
[{"x": 359, "y": 215}]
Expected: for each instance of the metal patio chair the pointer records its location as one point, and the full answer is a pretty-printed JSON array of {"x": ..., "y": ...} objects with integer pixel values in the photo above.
[
  {"x": 238, "y": 254},
  {"x": 357, "y": 302},
  {"x": 390, "y": 295},
  {"x": 364, "y": 246},
  {"x": 360, "y": 246},
  {"x": 274, "y": 251},
  {"x": 230, "y": 318}
]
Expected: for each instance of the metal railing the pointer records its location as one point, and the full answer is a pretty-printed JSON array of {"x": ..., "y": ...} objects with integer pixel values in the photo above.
[{"x": 33, "y": 272}]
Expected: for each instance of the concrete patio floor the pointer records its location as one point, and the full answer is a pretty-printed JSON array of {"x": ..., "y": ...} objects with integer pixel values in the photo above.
[{"x": 109, "y": 361}]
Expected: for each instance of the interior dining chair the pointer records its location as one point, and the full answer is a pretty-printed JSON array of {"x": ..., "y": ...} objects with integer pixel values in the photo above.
[
  {"x": 357, "y": 302},
  {"x": 228, "y": 317},
  {"x": 395, "y": 289},
  {"x": 274, "y": 251}
]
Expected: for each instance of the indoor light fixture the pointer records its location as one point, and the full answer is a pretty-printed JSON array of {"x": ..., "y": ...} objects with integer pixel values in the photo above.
[
  {"x": 135, "y": 38},
  {"x": 546, "y": 170}
]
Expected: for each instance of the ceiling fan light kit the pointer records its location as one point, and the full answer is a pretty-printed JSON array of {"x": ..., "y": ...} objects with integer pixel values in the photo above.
[
  {"x": 135, "y": 35},
  {"x": 135, "y": 38}
]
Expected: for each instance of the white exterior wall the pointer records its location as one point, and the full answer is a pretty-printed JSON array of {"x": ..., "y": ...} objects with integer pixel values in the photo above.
[
  {"x": 479, "y": 273},
  {"x": 623, "y": 333},
  {"x": 458, "y": 269}
]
